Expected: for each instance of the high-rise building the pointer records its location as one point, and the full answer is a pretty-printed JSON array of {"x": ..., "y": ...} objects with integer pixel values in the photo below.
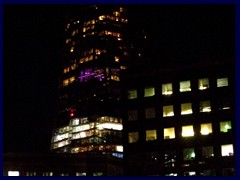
[{"x": 89, "y": 99}]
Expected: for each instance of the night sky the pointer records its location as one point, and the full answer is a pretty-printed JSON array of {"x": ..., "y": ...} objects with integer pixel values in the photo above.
[{"x": 33, "y": 43}]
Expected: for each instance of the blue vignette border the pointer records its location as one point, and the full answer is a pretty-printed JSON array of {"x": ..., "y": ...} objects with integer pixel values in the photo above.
[{"x": 236, "y": 3}]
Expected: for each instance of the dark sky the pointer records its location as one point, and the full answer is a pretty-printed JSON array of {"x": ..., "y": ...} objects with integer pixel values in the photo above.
[{"x": 33, "y": 42}]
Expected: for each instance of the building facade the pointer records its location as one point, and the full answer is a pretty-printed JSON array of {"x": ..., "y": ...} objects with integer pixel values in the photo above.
[
  {"x": 180, "y": 121},
  {"x": 89, "y": 101}
]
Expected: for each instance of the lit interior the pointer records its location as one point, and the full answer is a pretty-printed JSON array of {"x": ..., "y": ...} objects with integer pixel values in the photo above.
[
  {"x": 169, "y": 133},
  {"x": 187, "y": 131},
  {"x": 185, "y": 86},
  {"x": 151, "y": 135},
  {"x": 221, "y": 82},
  {"x": 205, "y": 106},
  {"x": 168, "y": 111},
  {"x": 225, "y": 126},
  {"x": 132, "y": 94},
  {"x": 133, "y": 137},
  {"x": 227, "y": 150},
  {"x": 167, "y": 89},
  {"x": 13, "y": 173},
  {"x": 203, "y": 84},
  {"x": 149, "y": 92},
  {"x": 186, "y": 108},
  {"x": 206, "y": 128}
]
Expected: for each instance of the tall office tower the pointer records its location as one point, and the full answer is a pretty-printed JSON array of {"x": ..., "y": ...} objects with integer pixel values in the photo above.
[{"x": 89, "y": 103}]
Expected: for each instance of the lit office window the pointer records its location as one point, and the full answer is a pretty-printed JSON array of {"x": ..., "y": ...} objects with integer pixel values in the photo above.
[
  {"x": 190, "y": 173},
  {"x": 81, "y": 174},
  {"x": 206, "y": 128},
  {"x": 187, "y": 131},
  {"x": 185, "y": 86},
  {"x": 133, "y": 137},
  {"x": 203, "y": 83},
  {"x": 98, "y": 174},
  {"x": 132, "y": 115},
  {"x": 150, "y": 91},
  {"x": 169, "y": 133},
  {"x": 205, "y": 106},
  {"x": 207, "y": 152},
  {"x": 151, "y": 135},
  {"x": 221, "y": 82},
  {"x": 225, "y": 126},
  {"x": 13, "y": 173},
  {"x": 47, "y": 173},
  {"x": 227, "y": 150},
  {"x": 167, "y": 89},
  {"x": 188, "y": 154},
  {"x": 150, "y": 113},
  {"x": 31, "y": 174},
  {"x": 132, "y": 94},
  {"x": 168, "y": 111},
  {"x": 186, "y": 108}
]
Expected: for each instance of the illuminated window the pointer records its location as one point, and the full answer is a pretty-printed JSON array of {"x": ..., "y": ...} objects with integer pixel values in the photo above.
[
  {"x": 169, "y": 133},
  {"x": 72, "y": 79},
  {"x": 121, "y": 9},
  {"x": 132, "y": 94},
  {"x": 151, "y": 135},
  {"x": 66, "y": 70},
  {"x": 101, "y": 17},
  {"x": 207, "y": 152},
  {"x": 116, "y": 13},
  {"x": 206, "y": 128},
  {"x": 73, "y": 33},
  {"x": 168, "y": 111},
  {"x": 225, "y": 126},
  {"x": 119, "y": 148},
  {"x": 13, "y": 173},
  {"x": 65, "y": 82},
  {"x": 188, "y": 154},
  {"x": 190, "y": 173},
  {"x": 75, "y": 121},
  {"x": 81, "y": 174},
  {"x": 116, "y": 58},
  {"x": 227, "y": 150},
  {"x": 167, "y": 89},
  {"x": 185, "y": 86},
  {"x": 203, "y": 83},
  {"x": 68, "y": 41},
  {"x": 123, "y": 67},
  {"x": 31, "y": 174},
  {"x": 98, "y": 174},
  {"x": 149, "y": 113},
  {"x": 221, "y": 82},
  {"x": 149, "y": 92},
  {"x": 132, "y": 115},
  {"x": 133, "y": 137},
  {"x": 205, "y": 106},
  {"x": 186, "y": 108},
  {"x": 187, "y": 131},
  {"x": 47, "y": 173}
]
